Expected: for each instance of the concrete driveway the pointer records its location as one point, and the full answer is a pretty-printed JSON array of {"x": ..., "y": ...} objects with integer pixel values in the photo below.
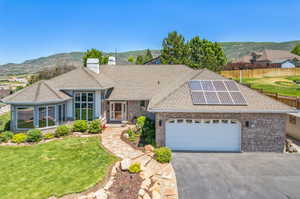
[{"x": 237, "y": 175}]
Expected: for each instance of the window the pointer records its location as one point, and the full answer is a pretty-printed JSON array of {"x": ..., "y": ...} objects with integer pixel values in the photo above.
[
  {"x": 46, "y": 116},
  {"x": 143, "y": 104},
  {"x": 25, "y": 117},
  {"x": 84, "y": 106},
  {"x": 61, "y": 113},
  {"x": 292, "y": 119}
]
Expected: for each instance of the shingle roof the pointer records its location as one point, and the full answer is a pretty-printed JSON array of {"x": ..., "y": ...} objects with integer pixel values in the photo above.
[
  {"x": 274, "y": 56},
  {"x": 180, "y": 100},
  {"x": 141, "y": 82},
  {"x": 40, "y": 92}
]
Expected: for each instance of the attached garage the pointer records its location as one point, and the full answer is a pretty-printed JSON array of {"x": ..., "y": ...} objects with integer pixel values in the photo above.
[{"x": 203, "y": 135}]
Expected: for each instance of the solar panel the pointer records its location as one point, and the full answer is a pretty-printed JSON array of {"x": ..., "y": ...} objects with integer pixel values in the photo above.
[
  {"x": 195, "y": 85},
  {"x": 219, "y": 85},
  {"x": 198, "y": 98},
  {"x": 218, "y": 92},
  {"x": 207, "y": 85},
  {"x": 238, "y": 98},
  {"x": 231, "y": 85},
  {"x": 225, "y": 98},
  {"x": 211, "y": 97}
]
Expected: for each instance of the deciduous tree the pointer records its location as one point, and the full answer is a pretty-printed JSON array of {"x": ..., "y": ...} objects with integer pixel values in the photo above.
[
  {"x": 94, "y": 53},
  {"x": 296, "y": 49}
]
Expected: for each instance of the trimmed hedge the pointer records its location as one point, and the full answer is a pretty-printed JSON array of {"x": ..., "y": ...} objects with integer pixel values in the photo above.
[
  {"x": 6, "y": 136},
  {"x": 34, "y": 135},
  {"x": 135, "y": 168},
  {"x": 95, "y": 126},
  {"x": 163, "y": 154},
  {"x": 80, "y": 126},
  {"x": 62, "y": 131},
  {"x": 19, "y": 138}
]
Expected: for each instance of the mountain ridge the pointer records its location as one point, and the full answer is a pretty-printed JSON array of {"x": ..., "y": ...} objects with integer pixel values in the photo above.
[{"x": 233, "y": 50}]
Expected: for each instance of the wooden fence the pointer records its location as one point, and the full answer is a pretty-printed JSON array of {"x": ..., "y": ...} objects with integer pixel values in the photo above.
[
  {"x": 289, "y": 100},
  {"x": 259, "y": 73}
]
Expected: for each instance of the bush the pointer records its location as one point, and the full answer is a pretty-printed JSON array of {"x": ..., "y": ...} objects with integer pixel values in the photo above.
[
  {"x": 80, "y": 126},
  {"x": 132, "y": 136},
  {"x": 95, "y": 126},
  {"x": 163, "y": 154},
  {"x": 48, "y": 136},
  {"x": 146, "y": 128},
  {"x": 19, "y": 138},
  {"x": 135, "y": 168},
  {"x": 5, "y": 136},
  {"x": 62, "y": 131},
  {"x": 34, "y": 135}
]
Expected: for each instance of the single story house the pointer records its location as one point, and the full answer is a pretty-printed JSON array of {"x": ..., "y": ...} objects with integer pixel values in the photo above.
[
  {"x": 194, "y": 110},
  {"x": 265, "y": 59}
]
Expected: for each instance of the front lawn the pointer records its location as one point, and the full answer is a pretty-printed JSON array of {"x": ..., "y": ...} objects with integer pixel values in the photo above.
[
  {"x": 282, "y": 85},
  {"x": 54, "y": 168}
]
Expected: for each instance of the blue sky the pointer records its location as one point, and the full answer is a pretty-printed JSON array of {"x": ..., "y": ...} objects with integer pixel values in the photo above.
[{"x": 34, "y": 28}]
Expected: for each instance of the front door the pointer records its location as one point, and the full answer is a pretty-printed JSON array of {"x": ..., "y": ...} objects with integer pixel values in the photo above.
[{"x": 117, "y": 111}]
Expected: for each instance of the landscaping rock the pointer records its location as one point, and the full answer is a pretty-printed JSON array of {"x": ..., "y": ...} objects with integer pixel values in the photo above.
[
  {"x": 149, "y": 148},
  {"x": 126, "y": 135},
  {"x": 155, "y": 194},
  {"x": 146, "y": 196},
  {"x": 169, "y": 192},
  {"x": 101, "y": 194},
  {"x": 142, "y": 192},
  {"x": 146, "y": 183},
  {"x": 125, "y": 164}
]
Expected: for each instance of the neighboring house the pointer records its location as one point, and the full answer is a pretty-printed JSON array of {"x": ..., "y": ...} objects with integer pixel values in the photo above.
[
  {"x": 196, "y": 110},
  {"x": 293, "y": 125},
  {"x": 155, "y": 60},
  {"x": 266, "y": 59}
]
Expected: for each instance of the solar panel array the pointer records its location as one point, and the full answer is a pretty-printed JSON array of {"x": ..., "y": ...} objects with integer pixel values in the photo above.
[{"x": 216, "y": 92}]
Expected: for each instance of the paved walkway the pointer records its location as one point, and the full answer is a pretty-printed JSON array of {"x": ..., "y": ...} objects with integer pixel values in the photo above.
[
  {"x": 112, "y": 141},
  {"x": 159, "y": 179}
]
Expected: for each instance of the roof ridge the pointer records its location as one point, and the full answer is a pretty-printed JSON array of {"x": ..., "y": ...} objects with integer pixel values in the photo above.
[
  {"x": 51, "y": 89},
  {"x": 88, "y": 72},
  {"x": 175, "y": 89},
  {"x": 37, "y": 90}
]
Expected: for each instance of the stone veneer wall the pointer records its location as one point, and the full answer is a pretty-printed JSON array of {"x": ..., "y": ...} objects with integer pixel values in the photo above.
[
  {"x": 135, "y": 110},
  {"x": 268, "y": 135}
]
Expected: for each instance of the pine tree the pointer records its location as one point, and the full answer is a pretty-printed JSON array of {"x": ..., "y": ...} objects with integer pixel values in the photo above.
[
  {"x": 148, "y": 56},
  {"x": 174, "y": 51},
  {"x": 206, "y": 54}
]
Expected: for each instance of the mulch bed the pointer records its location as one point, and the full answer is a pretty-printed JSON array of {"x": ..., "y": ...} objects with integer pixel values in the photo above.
[{"x": 126, "y": 185}]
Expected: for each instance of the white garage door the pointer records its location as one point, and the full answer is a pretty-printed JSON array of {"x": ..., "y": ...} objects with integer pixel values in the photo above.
[{"x": 203, "y": 135}]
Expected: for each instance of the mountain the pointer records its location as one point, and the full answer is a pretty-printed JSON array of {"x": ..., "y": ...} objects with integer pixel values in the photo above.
[{"x": 232, "y": 50}]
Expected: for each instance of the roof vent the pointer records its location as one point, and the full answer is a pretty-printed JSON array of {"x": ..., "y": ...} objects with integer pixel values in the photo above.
[
  {"x": 93, "y": 64},
  {"x": 111, "y": 60}
]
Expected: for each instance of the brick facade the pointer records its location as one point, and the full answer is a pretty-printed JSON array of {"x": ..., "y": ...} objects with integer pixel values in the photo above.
[{"x": 266, "y": 135}]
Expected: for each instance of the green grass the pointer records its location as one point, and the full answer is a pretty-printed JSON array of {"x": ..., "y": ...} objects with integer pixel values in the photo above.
[
  {"x": 4, "y": 119},
  {"x": 282, "y": 85},
  {"x": 54, "y": 168}
]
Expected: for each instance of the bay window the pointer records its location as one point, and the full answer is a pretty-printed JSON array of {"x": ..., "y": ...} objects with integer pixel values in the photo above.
[
  {"x": 25, "y": 117},
  {"x": 84, "y": 106}
]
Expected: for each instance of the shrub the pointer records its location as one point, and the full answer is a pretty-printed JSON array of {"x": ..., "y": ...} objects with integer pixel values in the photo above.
[
  {"x": 163, "y": 154},
  {"x": 34, "y": 135},
  {"x": 80, "y": 126},
  {"x": 132, "y": 136},
  {"x": 48, "y": 136},
  {"x": 135, "y": 168},
  {"x": 146, "y": 128},
  {"x": 19, "y": 138},
  {"x": 95, "y": 126},
  {"x": 140, "y": 122},
  {"x": 62, "y": 131},
  {"x": 5, "y": 136}
]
